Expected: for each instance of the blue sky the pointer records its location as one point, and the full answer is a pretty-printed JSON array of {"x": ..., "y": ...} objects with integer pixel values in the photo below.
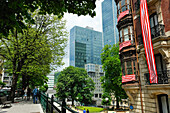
[{"x": 82, "y": 21}]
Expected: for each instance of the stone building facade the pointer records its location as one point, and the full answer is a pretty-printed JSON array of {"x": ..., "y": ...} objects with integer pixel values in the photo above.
[
  {"x": 95, "y": 71},
  {"x": 144, "y": 96}
]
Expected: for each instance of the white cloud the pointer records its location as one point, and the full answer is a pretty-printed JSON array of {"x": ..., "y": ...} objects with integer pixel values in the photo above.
[{"x": 82, "y": 21}]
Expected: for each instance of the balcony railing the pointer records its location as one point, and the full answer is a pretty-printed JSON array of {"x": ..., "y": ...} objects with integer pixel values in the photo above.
[
  {"x": 163, "y": 77},
  {"x": 157, "y": 30}
]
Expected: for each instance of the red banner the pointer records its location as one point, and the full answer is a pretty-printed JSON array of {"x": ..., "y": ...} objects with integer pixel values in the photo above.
[
  {"x": 124, "y": 44},
  {"x": 128, "y": 78},
  {"x": 146, "y": 33},
  {"x": 122, "y": 14}
]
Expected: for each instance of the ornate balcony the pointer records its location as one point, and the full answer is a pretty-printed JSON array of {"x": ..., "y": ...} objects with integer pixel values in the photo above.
[
  {"x": 156, "y": 31},
  {"x": 163, "y": 77}
]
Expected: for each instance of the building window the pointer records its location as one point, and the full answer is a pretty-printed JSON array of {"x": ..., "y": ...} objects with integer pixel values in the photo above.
[
  {"x": 126, "y": 34},
  {"x": 121, "y": 38},
  {"x": 129, "y": 67},
  {"x": 123, "y": 5},
  {"x": 126, "y": 37},
  {"x": 154, "y": 24},
  {"x": 123, "y": 68},
  {"x": 163, "y": 103}
]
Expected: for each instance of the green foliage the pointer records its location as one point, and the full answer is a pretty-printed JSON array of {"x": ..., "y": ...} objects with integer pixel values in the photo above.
[
  {"x": 2, "y": 84},
  {"x": 74, "y": 82},
  {"x": 112, "y": 80},
  {"x": 15, "y": 13},
  {"x": 44, "y": 88},
  {"x": 91, "y": 109},
  {"x": 106, "y": 96},
  {"x": 56, "y": 74}
]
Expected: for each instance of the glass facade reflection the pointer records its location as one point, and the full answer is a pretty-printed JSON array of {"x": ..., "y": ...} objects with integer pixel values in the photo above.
[
  {"x": 109, "y": 22},
  {"x": 85, "y": 46}
]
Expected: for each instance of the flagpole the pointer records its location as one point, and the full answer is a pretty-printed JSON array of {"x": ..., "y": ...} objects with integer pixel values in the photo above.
[{"x": 137, "y": 58}]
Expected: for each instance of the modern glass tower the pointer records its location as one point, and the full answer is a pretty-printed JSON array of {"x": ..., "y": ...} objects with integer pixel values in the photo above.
[
  {"x": 109, "y": 22},
  {"x": 85, "y": 46}
]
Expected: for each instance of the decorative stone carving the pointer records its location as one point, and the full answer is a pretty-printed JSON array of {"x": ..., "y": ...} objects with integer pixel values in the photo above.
[{"x": 132, "y": 95}]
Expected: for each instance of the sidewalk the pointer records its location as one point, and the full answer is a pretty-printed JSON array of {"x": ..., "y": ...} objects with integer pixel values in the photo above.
[{"x": 22, "y": 106}]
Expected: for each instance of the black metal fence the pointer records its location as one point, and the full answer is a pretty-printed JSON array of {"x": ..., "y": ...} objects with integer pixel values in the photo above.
[
  {"x": 51, "y": 105},
  {"x": 163, "y": 77},
  {"x": 157, "y": 30}
]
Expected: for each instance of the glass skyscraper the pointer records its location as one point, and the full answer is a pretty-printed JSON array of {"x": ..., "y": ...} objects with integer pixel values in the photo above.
[
  {"x": 109, "y": 22},
  {"x": 85, "y": 46}
]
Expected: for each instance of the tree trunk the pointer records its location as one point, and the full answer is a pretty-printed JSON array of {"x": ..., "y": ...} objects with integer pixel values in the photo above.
[
  {"x": 23, "y": 81},
  {"x": 72, "y": 102},
  {"x": 117, "y": 103},
  {"x": 14, "y": 83}
]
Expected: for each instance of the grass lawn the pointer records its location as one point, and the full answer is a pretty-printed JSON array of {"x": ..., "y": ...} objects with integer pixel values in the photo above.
[{"x": 91, "y": 109}]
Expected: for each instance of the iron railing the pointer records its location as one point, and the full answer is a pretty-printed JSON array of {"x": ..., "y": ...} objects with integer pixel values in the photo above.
[
  {"x": 163, "y": 77},
  {"x": 49, "y": 104},
  {"x": 157, "y": 30}
]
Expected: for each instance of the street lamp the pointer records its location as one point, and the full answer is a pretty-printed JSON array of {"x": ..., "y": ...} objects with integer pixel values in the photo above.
[
  {"x": 106, "y": 103},
  {"x": 77, "y": 100}
]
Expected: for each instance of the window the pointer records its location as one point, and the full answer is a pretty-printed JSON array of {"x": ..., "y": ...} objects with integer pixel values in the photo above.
[
  {"x": 123, "y": 5},
  {"x": 163, "y": 103},
  {"x": 121, "y": 38},
  {"x": 134, "y": 67},
  {"x": 154, "y": 24},
  {"x": 129, "y": 67},
  {"x": 96, "y": 95},
  {"x": 126, "y": 37},
  {"x": 123, "y": 69},
  {"x": 126, "y": 34}
]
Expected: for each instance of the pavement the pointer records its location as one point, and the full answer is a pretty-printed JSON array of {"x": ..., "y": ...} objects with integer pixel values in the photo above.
[{"x": 22, "y": 106}]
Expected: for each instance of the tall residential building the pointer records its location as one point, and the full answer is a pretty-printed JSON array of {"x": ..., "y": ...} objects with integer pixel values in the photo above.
[
  {"x": 146, "y": 81},
  {"x": 85, "y": 46},
  {"x": 50, "y": 82},
  {"x": 109, "y": 22},
  {"x": 96, "y": 72}
]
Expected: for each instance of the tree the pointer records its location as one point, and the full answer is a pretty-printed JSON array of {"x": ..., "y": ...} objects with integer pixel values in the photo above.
[
  {"x": 74, "y": 82},
  {"x": 15, "y": 13},
  {"x": 112, "y": 80},
  {"x": 2, "y": 84},
  {"x": 29, "y": 54}
]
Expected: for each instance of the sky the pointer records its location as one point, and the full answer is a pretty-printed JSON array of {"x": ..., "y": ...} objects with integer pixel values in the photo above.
[{"x": 82, "y": 21}]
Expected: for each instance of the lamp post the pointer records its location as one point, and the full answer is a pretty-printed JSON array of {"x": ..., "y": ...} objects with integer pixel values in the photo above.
[
  {"x": 106, "y": 103},
  {"x": 77, "y": 100}
]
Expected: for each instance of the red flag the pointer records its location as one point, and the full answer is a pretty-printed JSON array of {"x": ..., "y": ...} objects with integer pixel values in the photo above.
[
  {"x": 124, "y": 44},
  {"x": 128, "y": 78},
  {"x": 146, "y": 32},
  {"x": 122, "y": 14}
]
